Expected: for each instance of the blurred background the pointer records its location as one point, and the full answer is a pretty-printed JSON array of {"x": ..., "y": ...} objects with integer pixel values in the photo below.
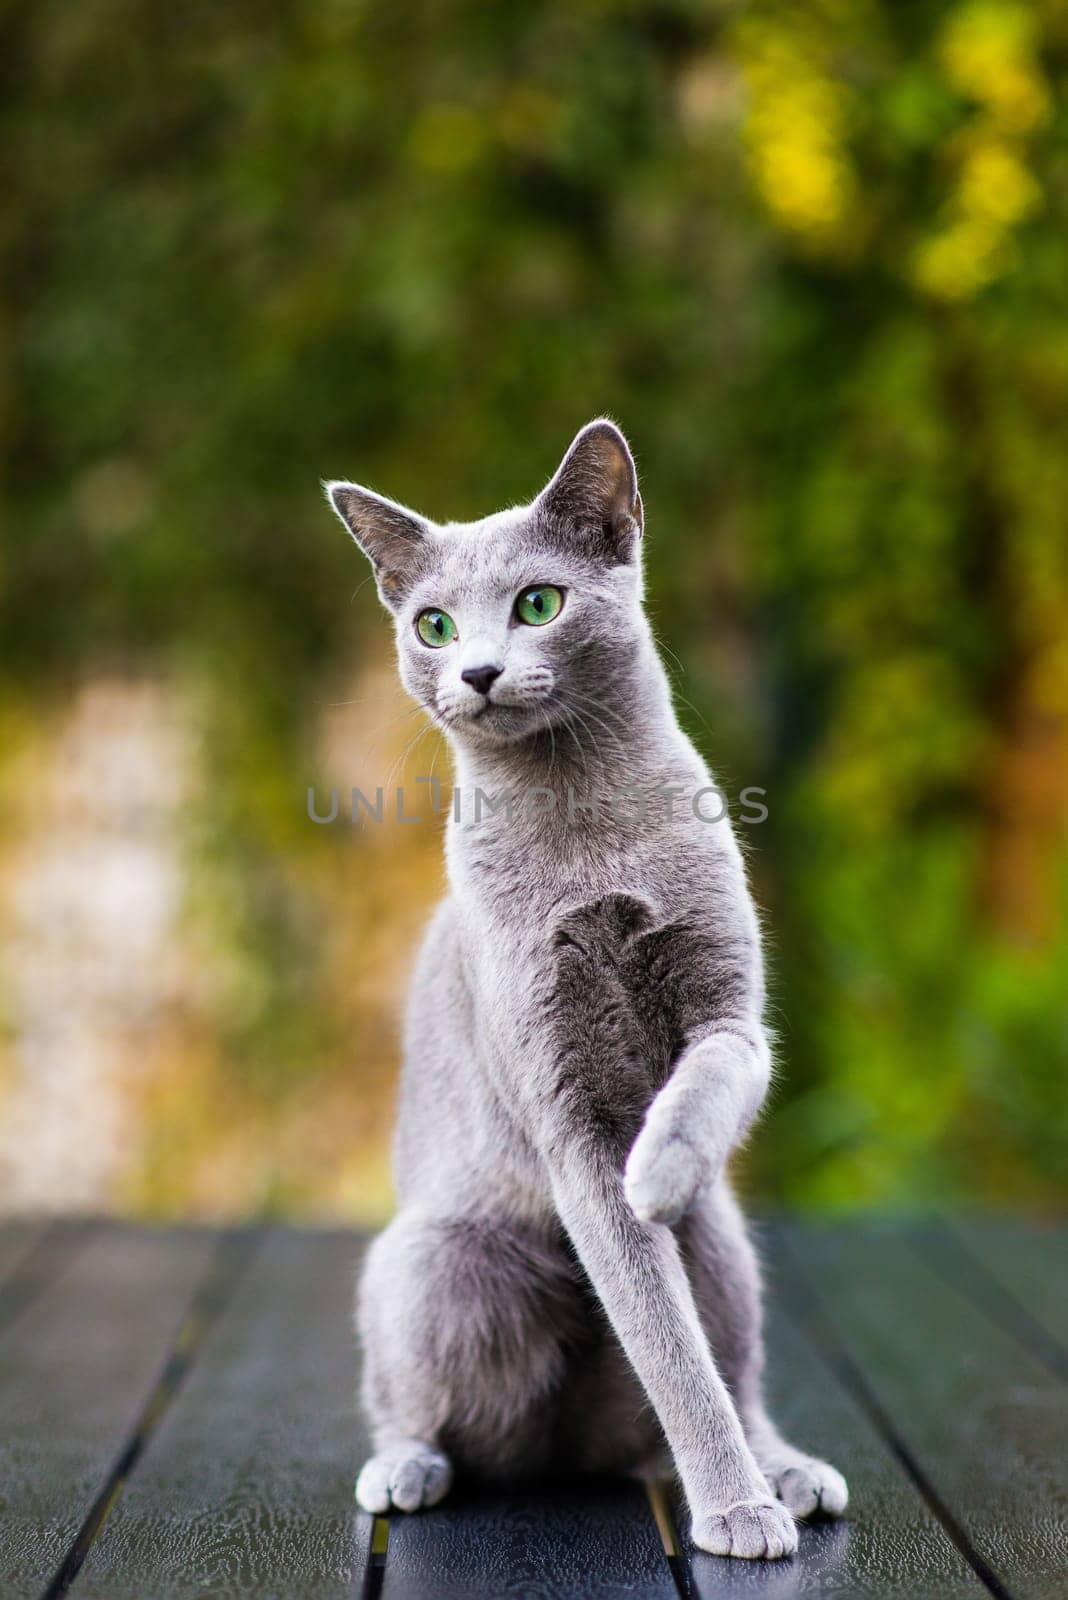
[{"x": 814, "y": 259}]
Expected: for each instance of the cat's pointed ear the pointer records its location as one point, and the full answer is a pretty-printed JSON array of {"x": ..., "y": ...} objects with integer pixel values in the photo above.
[
  {"x": 392, "y": 537},
  {"x": 593, "y": 495}
]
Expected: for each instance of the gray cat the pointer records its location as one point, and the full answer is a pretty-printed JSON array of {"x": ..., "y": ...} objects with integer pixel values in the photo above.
[{"x": 568, "y": 1282}]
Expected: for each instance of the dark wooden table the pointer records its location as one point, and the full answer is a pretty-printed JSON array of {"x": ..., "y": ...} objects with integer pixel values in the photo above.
[{"x": 176, "y": 1419}]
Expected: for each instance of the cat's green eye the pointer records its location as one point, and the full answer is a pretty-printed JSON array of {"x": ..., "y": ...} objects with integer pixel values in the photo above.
[
  {"x": 539, "y": 605},
  {"x": 435, "y": 628}
]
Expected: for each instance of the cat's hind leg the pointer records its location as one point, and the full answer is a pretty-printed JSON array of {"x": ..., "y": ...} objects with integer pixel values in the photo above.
[
  {"x": 725, "y": 1274},
  {"x": 464, "y": 1324}
]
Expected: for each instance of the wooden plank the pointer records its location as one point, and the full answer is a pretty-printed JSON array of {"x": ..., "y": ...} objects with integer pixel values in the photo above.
[
  {"x": 586, "y": 1541},
  {"x": 890, "y": 1544},
  {"x": 32, "y": 1255},
  {"x": 1027, "y": 1263},
  {"x": 247, "y": 1485},
  {"x": 75, "y": 1368},
  {"x": 16, "y": 1240},
  {"x": 983, "y": 1421}
]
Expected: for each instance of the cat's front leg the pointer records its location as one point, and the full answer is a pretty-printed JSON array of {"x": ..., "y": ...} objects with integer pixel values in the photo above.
[
  {"x": 592, "y": 1089},
  {"x": 638, "y": 1275},
  {"x": 699, "y": 1116}
]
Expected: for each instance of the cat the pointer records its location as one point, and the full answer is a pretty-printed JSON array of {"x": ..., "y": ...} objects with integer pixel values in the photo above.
[{"x": 568, "y": 1282}]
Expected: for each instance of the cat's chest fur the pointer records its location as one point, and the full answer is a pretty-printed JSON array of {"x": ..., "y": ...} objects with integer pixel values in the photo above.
[
  {"x": 517, "y": 884},
  {"x": 514, "y": 876}
]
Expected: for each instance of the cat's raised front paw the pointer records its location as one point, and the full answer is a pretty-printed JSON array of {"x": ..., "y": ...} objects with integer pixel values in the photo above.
[
  {"x": 664, "y": 1171},
  {"x": 406, "y": 1477},
  {"x": 753, "y": 1530}
]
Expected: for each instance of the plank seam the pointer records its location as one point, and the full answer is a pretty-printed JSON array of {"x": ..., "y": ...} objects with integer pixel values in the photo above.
[
  {"x": 941, "y": 1247},
  {"x": 230, "y": 1258},
  {"x": 45, "y": 1257},
  {"x": 811, "y": 1314},
  {"x": 660, "y": 1503},
  {"x": 375, "y": 1575}
]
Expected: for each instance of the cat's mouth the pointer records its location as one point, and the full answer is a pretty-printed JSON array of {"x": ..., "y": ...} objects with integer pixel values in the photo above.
[
  {"x": 494, "y": 710},
  {"x": 497, "y": 717}
]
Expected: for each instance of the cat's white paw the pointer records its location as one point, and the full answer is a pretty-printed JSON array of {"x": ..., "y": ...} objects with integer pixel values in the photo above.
[
  {"x": 753, "y": 1530},
  {"x": 664, "y": 1171},
  {"x": 805, "y": 1485},
  {"x": 406, "y": 1477}
]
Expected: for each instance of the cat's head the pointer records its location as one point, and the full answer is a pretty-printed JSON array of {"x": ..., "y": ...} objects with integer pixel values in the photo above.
[{"x": 527, "y": 619}]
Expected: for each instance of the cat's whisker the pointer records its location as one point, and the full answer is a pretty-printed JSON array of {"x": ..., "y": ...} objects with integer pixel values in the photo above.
[
  {"x": 399, "y": 763},
  {"x": 607, "y": 713},
  {"x": 552, "y": 739},
  {"x": 676, "y": 692},
  {"x": 573, "y": 715},
  {"x": 565, "y": 724},
  {"x": 619, "y": 747}
]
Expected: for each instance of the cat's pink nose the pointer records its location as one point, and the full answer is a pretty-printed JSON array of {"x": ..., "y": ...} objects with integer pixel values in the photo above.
[{"x": 481, "y": 679}]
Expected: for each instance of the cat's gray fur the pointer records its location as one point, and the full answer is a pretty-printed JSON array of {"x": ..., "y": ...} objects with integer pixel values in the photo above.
[{"x": 568, "y": 1280}]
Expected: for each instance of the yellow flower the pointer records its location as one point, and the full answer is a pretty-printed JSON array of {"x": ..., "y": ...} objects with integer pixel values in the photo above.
[
  {"x": 995, "y": 185},
  {"x": 960, "y": 260},
  {"x": 796, "y": 126},
  {"x": 988, "y": 50}
]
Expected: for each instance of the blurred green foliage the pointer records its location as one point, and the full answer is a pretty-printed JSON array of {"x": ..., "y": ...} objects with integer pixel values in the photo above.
[{"x": 813, "y": 258}]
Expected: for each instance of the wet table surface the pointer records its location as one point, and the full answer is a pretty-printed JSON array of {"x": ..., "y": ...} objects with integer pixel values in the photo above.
[{"x": 177, "y": 1419}]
